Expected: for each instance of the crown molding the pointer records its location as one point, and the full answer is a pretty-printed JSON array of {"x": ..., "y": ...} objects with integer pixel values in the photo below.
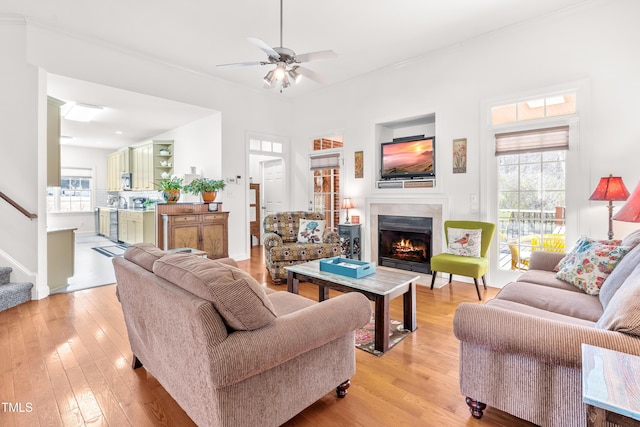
[{"x": 12, "y": 19}]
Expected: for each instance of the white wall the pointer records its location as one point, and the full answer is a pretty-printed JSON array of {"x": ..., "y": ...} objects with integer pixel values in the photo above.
[
  {"x": 597, "y": 43},
  {"x": 197, "y": 144},
  {"x": 21, "y": 177}
]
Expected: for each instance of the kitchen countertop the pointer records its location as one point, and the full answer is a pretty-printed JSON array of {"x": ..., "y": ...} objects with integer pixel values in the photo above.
[{"x": 127, "y": 209}]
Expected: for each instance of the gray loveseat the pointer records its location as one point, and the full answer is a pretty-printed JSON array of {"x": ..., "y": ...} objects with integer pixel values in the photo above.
[
  {"x": 229, "y": 351},
  {"x": 521, "y": 351}
]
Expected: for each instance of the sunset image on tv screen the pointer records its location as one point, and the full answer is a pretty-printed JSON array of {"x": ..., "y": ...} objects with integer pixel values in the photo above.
[{"x": 408, "y": 157}]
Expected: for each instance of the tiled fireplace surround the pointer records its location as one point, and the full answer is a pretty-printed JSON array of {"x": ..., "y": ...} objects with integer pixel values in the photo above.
[{"x": 420, "y": 206}]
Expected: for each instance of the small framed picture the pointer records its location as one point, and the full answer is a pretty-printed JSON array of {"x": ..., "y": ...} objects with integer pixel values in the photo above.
[
  {"x": 460, "y": 155},
  {"x": 355, "y": 219},
  {"x": 358, "y": 164},
  {"x": 213, "y": 207}
]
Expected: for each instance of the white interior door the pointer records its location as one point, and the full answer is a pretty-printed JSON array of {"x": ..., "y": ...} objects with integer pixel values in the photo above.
[{"x": 274, "y": 189}]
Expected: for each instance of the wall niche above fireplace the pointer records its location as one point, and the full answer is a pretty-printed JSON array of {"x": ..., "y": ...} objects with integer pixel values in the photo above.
[{"x": 424, "y": 125}]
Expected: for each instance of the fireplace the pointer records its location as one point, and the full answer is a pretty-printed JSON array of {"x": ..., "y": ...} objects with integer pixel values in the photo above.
[{"x": 404, "y": 242}]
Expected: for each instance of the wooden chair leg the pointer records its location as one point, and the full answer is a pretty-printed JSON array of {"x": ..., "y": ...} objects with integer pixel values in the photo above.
[
  {"x": 475, "y": 280},
  {"x": 433, "y": 278},
  {"x": 484, "y": 282}
]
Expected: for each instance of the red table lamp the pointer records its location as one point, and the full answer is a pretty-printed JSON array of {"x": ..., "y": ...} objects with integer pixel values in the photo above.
[
  {"x": 630, "y": 212},
  {"x": 610, "y": 188}
]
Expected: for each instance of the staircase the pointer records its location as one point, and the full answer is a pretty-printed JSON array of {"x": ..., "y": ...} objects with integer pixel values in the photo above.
[{"x": 12, "y": 294}]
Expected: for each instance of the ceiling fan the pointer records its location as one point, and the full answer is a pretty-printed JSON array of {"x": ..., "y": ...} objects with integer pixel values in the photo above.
[{"x": 286, "y": 61}]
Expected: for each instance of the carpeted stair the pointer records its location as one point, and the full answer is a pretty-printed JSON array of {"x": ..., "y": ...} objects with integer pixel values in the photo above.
[{"x": 12, "y": 294}]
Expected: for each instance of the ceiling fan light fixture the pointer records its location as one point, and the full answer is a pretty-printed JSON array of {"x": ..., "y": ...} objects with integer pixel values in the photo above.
[
  {"x": 270, "y": 77},
  {"x": 280, "y": 71},
  {"x": 295, "y": 76},
  {"x": 285, "y": 82}
]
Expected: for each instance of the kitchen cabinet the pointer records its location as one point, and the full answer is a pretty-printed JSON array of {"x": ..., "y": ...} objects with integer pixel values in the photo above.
[
  {"x": 150, "y": 163},
  {"x": 136, "y": 226},
  {"x": 53, "y": 141},
  {"x": 104, "y": 221},
  {"x": 118, "y": 163},
  {"x": 162, "y": 160},
  {"x": 142, "y": 167},
  {"x": 204, "y": 231},
  {"x": 60, "y": 256}
]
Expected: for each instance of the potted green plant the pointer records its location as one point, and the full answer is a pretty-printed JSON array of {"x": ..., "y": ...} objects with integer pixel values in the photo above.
[
  {"x": 147, "y": 204},
  {"x": 206, "y": 187},
  {"x": 170, "y": 188}
]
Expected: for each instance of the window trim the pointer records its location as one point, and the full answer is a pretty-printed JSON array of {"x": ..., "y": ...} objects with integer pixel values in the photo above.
[{"x": 577, "y": 158}]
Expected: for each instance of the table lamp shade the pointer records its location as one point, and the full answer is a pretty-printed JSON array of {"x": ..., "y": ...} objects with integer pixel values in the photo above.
[
  {"x": 347, "y": 204},
  {"x": 630, "y": 212},
  {"x": 610, "y": 188}
]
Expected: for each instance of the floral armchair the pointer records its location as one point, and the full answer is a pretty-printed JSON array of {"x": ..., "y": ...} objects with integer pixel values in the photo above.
[{"x": 285, "y": 244}]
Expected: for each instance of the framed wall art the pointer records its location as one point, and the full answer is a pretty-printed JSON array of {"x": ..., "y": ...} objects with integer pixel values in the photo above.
[
  {"x": 358, "y": 164},
  {"x": 460, "y": 155}
]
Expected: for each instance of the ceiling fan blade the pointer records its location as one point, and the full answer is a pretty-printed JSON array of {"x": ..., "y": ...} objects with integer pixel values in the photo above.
[
  {"x": 316, "y": 56},
  {"x": 242, "y": 64},
  {"x": 264, "y": 47},
  {"x": 311, "y": 75}
]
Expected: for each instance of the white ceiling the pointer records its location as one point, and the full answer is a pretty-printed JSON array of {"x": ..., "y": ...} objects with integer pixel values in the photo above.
[
  {"x": 367, "y": 35},
  {"x": 135, "y": 117}
]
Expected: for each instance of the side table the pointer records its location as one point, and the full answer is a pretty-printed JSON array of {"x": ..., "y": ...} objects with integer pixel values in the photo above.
[
  {"x": 610, "y": 386},
  {"x": 350, "y": 240}
]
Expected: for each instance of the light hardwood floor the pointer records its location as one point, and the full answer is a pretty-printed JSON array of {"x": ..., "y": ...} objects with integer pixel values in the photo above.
[{"x": 65, "y": 361}]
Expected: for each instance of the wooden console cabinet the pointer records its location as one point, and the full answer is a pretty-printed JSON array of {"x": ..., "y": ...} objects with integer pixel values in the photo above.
[{"x": 206, "y": 231}]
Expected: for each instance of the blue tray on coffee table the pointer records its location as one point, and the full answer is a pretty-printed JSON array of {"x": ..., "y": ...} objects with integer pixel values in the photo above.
[{"x": 347, "y": 267}]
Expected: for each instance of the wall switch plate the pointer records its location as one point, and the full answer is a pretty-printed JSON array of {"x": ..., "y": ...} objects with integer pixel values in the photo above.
[{"x": 475, "y": 203}]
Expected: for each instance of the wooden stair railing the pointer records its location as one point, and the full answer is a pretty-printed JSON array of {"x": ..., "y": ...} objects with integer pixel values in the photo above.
[{"x": 17, "y": 206}]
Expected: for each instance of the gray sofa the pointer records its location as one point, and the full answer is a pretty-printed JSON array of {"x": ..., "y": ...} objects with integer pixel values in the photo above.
[
  {"x": 229, "y": 351},
  {"x": 521, "y": 351}
]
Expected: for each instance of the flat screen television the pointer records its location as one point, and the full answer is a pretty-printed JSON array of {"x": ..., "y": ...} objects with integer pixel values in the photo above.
[{"x": 407, "y": 158}]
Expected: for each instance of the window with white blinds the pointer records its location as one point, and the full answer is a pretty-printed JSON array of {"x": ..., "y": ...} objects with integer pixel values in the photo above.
[
  {"x": 532, "y": 141},
  {"x": 531, "y": 193},
  {"x": 324, "y": 161}
]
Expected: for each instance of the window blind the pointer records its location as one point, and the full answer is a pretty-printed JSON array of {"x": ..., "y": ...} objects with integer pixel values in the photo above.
[
  {"x": 325, "y": 161},
  {"x": 527, "y": 141}
]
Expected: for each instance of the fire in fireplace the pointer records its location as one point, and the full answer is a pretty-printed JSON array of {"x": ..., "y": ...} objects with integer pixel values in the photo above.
[{"x": 405, "y": 242}]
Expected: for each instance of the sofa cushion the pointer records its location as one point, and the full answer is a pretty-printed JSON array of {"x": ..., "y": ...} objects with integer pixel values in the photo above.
[
  {"x": 619, "y": 275},
  {"x": 632, "y": 239},
  {"x": 532, "y": 311},
  {"x": 589, "y": 264},
  {"x": 144, "y": 255},
  {"x": 623, "y": 310},
  {"x": 311, "y": 230},
  {"x": 239, "y": 298},
  {"x": 546, "y": 278},
  {"x": 464, "y": 242},
  {"x": 574, "y": 304}
]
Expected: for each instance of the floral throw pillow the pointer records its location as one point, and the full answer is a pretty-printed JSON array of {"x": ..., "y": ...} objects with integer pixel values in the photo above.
[
  {"x": 464, "y": 242},
  {"x": 589, "y": 263},
  {"x": 311, "y": 230}
]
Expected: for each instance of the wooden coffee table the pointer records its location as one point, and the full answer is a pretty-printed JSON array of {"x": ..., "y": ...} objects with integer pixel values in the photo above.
[{"x": 380, "y": 287}]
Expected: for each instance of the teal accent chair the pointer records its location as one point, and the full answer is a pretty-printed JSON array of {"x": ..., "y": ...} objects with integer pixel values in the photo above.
[{"x": 464, "y": 265}]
